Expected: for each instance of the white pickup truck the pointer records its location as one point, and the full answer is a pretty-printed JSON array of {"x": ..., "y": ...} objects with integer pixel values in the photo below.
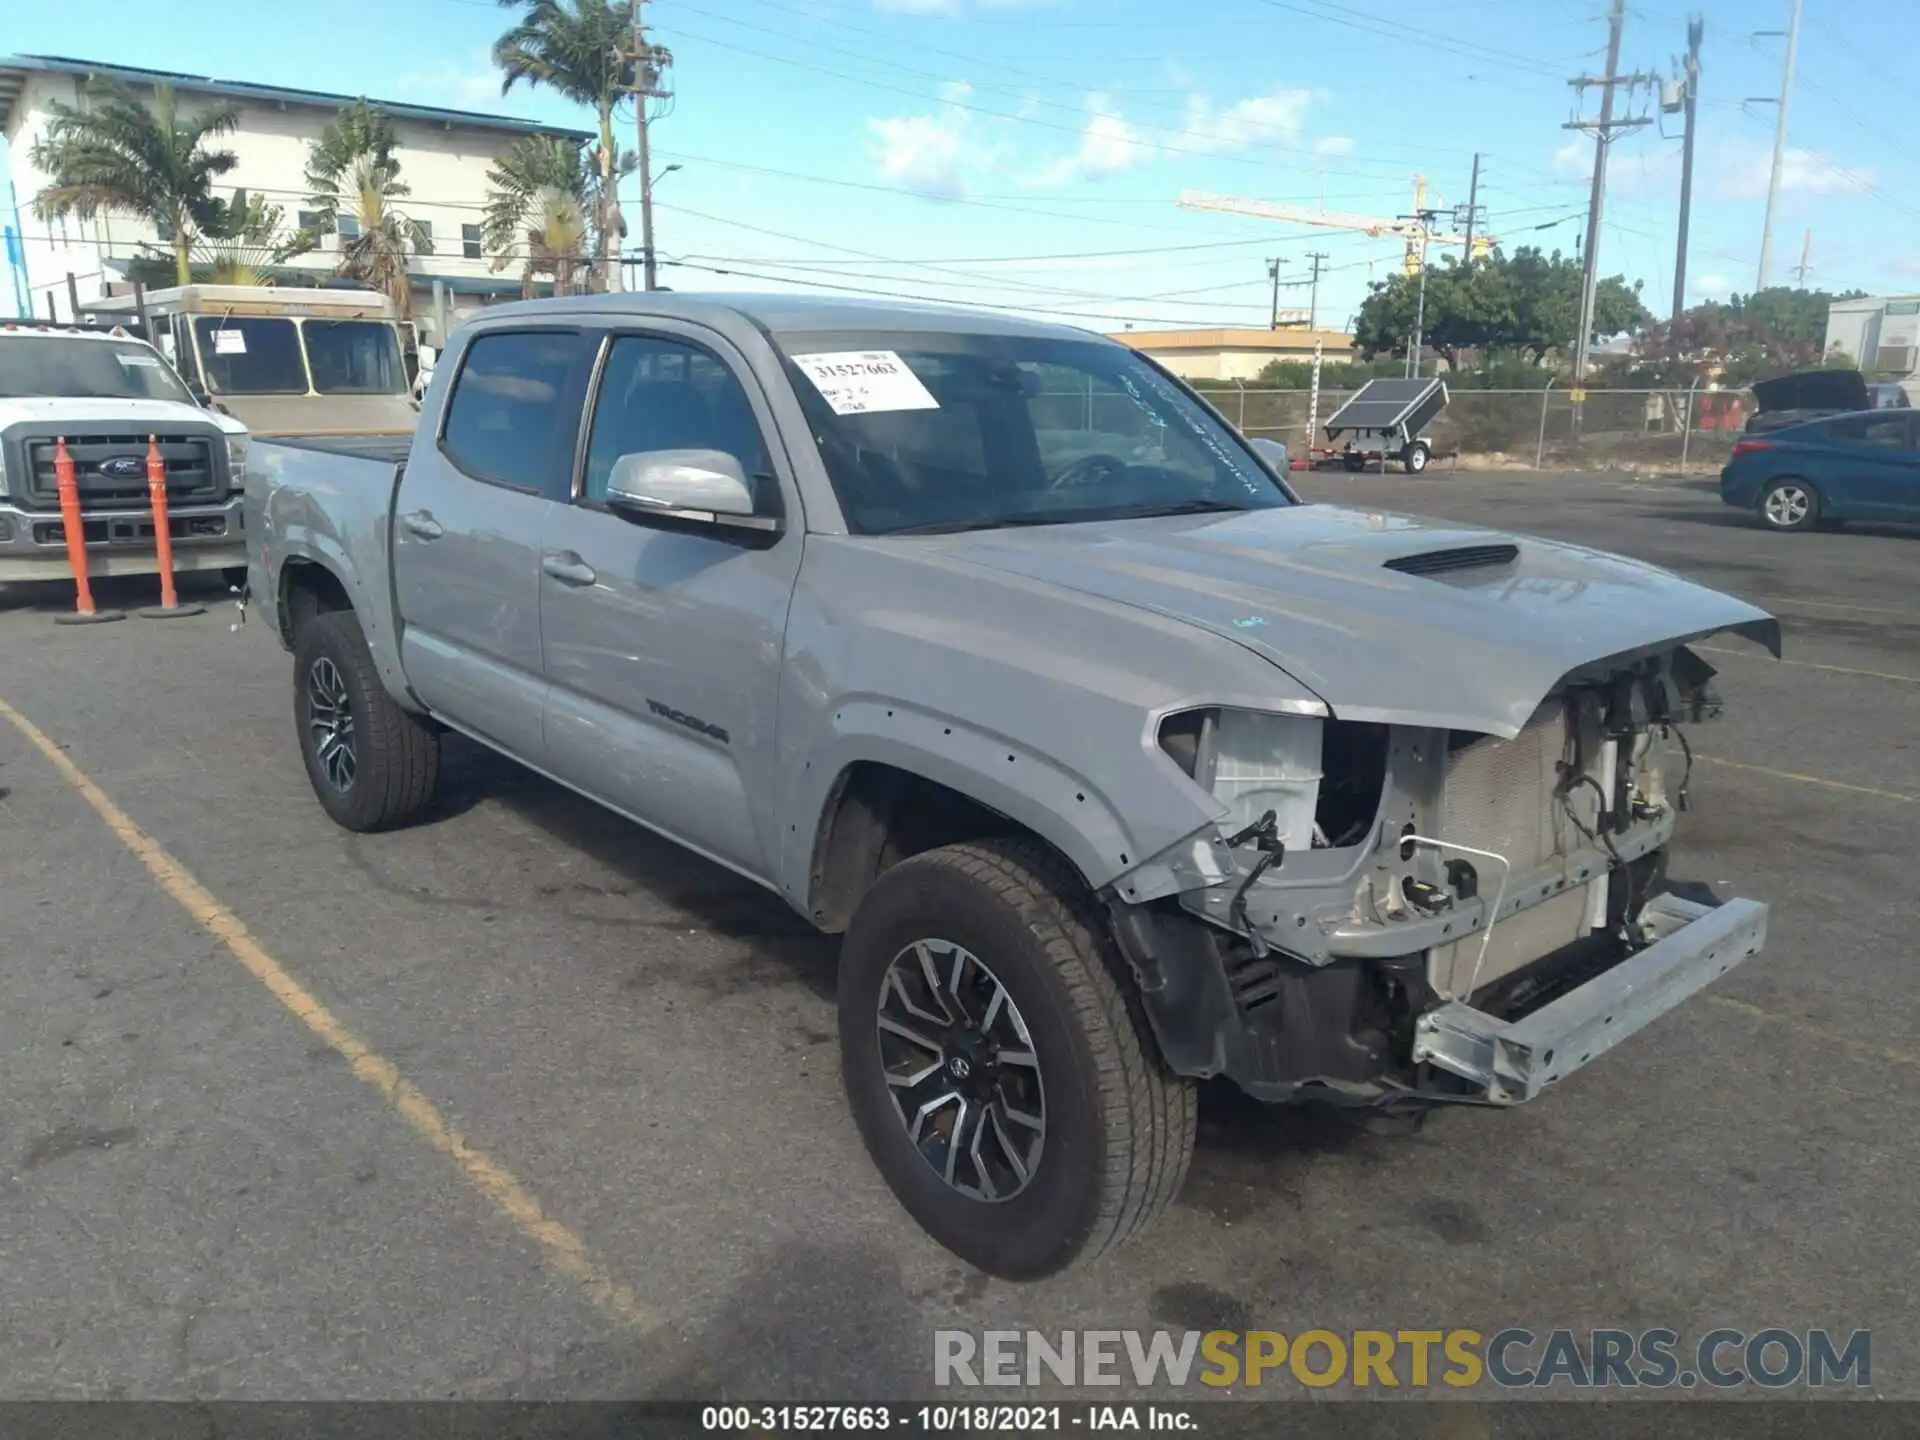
[{"x": 105, "y": 392}]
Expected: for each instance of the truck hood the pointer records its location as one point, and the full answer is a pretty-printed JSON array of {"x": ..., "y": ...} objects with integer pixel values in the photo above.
[
  {"x": 1472, "y": 638},
  {"x": 91, "y": 412},
  {"x": 1813, "y": 390}
]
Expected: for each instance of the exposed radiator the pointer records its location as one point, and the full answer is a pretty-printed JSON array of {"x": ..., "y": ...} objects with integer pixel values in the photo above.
[{"x": 1500, "y": 796}]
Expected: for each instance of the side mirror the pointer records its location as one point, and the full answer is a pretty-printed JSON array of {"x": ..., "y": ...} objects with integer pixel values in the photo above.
[
  {"x": 706, "y": 486},
  {"x": 1274, "y": 453}
]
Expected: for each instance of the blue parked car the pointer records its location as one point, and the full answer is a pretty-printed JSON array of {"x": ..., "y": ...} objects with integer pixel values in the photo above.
[{"x": 1863, "y": 466}]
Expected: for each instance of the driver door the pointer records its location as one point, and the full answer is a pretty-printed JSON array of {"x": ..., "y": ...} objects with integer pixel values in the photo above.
[{"x": 662, "y": 637}]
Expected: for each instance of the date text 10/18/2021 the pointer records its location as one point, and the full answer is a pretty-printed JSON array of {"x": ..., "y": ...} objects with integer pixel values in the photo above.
[{"x": 949, "y": 1419}]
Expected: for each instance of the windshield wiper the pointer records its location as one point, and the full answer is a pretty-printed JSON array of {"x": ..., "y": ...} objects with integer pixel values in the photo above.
[{"x": 1171, "y": 507}]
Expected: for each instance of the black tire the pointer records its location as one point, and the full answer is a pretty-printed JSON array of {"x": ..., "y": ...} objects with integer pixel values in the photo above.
[
  {"x": 1789, "y": 503},
  {"x": 1415, "y": 457},
  {"x": 1119, "y": 1128},
  {"x": 395, "y": 756},
  {"x": 1353, "y": 462}
]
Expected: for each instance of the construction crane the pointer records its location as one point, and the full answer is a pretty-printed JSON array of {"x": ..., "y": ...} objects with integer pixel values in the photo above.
[{"x": 1411, "y": 229}]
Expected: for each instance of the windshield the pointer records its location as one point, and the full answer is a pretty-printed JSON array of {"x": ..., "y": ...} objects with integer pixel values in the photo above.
[
  {"x": 250, "y": 355},
  {"x": 922, "y": 431},
  {"x": 81, "y": 366},
  {"x": 354, "y": 357}
]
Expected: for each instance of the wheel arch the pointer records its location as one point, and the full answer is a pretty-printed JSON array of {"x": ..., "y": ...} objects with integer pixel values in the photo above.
[{"x": 886, "y": 803}]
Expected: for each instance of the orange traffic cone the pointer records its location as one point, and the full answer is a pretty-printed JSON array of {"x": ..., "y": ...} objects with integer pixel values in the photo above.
[
  {"x": 169, "y": 606},
  {"x": 67, "y": 482}
]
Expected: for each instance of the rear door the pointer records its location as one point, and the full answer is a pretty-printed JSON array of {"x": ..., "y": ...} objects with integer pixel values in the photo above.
[
  {"x": 663, "y": 637},
  {"x": 1875, "y": 469},
  {"x": 467, "y": 526}
]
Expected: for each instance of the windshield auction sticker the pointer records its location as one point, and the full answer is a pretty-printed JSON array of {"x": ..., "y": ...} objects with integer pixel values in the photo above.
[
  {"x": 862, "y": 382},
  {"x": 229, "y": 342}
]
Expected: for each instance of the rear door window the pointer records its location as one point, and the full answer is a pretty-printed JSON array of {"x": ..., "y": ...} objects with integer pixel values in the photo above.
[
  {"x": 514, "y": 413},
  {"x": 1889, "y": 433}
]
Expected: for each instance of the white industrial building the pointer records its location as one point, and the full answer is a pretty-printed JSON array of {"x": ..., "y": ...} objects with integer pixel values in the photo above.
[
  {"x": 1879, "y": 333},
  {"x": 444, "y": 157}
]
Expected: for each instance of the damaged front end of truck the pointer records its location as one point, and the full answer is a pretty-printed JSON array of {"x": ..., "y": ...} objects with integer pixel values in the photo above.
[{"x": 1403, "y": 914}]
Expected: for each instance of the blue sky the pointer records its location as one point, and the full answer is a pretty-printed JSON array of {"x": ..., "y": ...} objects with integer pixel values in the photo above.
[{"x": 1029, "y": 152}]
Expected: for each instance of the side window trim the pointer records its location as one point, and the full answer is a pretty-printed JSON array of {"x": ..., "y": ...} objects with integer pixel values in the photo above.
[
  {"x": 744, "y": 379},
  {"x": 569, "y": 399}
]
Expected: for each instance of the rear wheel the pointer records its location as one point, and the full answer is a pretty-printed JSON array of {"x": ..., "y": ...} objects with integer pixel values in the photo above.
[
  {"x": 372, "y": 764},
  {"x": 1790, "y": 504},
  {"x": 1354, "y": 462},
  {"x": 998, "y": 1069},
  {"x": 1415, "y": 457}
]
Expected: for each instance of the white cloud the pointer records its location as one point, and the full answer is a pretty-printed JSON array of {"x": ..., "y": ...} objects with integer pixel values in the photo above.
[
  {"x": 475, "y": 83},
  {"x": 1710, "y": 285},
  {"x": 1802, "y": 172},
  {"x": 1252, "y": 121},
  {"x": 928, "y": 153},
  {"x": 1338, "y": 146},
  {"x": 1108, "y": 145},
  {"x": 1574, "y": 157}
]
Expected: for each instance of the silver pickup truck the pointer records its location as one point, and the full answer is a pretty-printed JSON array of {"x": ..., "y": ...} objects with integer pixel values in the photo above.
[{"x": 991, "y": 646}]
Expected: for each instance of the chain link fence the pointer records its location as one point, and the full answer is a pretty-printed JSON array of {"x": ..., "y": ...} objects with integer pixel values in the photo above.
[{"x": 1551, "y": 429}]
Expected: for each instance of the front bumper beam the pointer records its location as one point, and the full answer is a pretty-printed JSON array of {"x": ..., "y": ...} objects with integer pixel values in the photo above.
[{"x": 1513, "y": 1061}]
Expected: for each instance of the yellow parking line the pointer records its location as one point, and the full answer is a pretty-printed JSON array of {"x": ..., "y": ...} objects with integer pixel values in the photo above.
[
  {"x": 1810, "y": 779},
  {"x": 564, "y": 1251},
  {"x": 1820, "y": 1032},
  {"x": 1810, "y": 665}
]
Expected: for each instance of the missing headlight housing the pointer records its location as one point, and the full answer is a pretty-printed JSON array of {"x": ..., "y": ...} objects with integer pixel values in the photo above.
[{"x": 1252, "y": 761}]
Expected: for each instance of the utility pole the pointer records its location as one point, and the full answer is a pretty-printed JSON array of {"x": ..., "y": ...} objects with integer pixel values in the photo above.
[
  {"x": 1602, "y": 131},
  {"x": 1273, "y": 274},
  {"x": 649, "y": 64},
  {"x": 1313, "y": 295},
  {"x": 1779, "y": 143},
  {"x": 1803, "y": 269},
  {"x": 1473, "y": 205},
  {"x": 1696, "y": 28},
  {"x": 1417, "y": 343}
]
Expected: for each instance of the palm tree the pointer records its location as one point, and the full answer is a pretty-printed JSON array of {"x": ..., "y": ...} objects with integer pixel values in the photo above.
[
  {"x": 118, "y": 155},
  {"x": 352, "y": 169},
  {"x": 544, "y": 190},
  {"x": 582, "y": 49}
]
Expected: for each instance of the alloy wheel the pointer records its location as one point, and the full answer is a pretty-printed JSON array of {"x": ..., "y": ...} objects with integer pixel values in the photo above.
[
  {"x": 330, "y": 722},
  {"x": 961, "y": 1069},
  {"x": 1788, "y": 505}
]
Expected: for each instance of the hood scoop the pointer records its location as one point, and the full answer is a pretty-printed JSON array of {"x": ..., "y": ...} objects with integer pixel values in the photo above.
[{"x": 1445, "y": 562}]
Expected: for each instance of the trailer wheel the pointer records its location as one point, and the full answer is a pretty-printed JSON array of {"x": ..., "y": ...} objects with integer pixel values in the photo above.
[
  {"x": 1354, "y": 462},
  {"x": 1415, "y": 457}
]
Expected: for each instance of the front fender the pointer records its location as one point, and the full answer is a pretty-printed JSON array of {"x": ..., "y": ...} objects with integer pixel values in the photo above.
[{"x": 1063, "y": 807}]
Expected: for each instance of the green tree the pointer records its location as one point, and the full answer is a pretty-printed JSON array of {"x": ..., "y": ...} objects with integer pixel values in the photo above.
[
  {"x": 245, "y": 243},
  {"x": 1528, "y": 303},
  {"x": 541, "y": 194},
  {"x": 583, "y": 50},
  {"x": 352, "y": 169},
  {"x": 118, "y": 155},
  {"x": 1740, "y": 340}
]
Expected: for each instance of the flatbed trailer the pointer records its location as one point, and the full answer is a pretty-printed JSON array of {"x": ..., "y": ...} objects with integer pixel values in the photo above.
[{"x": 1382, "y": 423}]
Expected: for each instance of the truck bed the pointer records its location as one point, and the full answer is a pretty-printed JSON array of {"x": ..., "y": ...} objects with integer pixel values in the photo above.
[{"x": 388, "y": 447}]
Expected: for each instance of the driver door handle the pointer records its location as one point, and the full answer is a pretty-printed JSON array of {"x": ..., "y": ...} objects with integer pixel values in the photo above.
[
  {"x": 568, "y": 568},
  {"x": 422, "y": 524}
]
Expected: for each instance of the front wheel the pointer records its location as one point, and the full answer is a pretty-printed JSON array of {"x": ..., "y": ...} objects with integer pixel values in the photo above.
[
  {"x": 997, "y": 1068},
  {"x": 1415, "y": 457},
  {"x": 372, "y": 764},
  {"x": 1790, "y": 505},
  {"x": 1353, "y": 462}
]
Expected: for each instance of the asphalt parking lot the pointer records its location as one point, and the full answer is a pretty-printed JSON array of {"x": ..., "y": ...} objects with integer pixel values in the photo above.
[{"x": 524, "y": 1103}]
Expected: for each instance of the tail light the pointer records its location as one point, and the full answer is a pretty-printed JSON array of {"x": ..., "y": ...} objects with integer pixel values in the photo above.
[{"x": 1747, "y": 447}]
